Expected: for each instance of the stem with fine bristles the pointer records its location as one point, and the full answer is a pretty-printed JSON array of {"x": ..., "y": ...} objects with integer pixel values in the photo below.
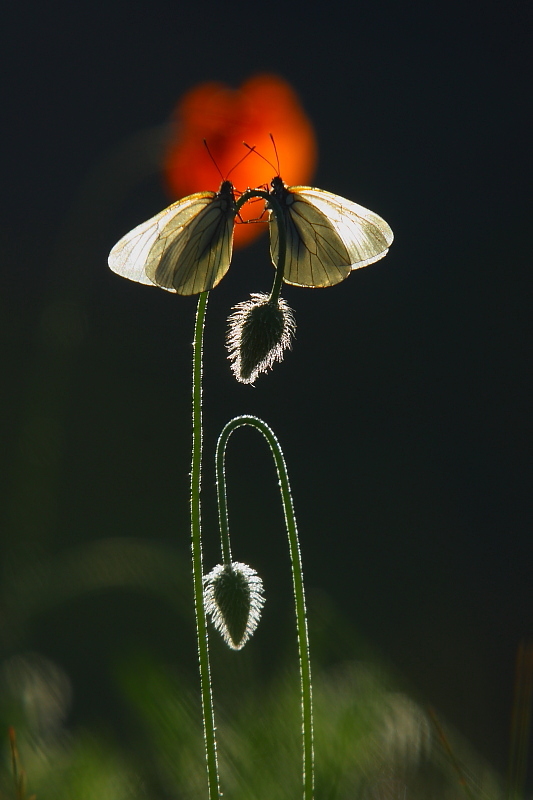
[
  {"x": 297, "y": 573},
  {"x": 274, "y": 205},
  {"x": 196, "y": 551}
]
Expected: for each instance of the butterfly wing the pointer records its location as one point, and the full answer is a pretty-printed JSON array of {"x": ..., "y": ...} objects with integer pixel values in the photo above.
[
  {"x": 366, "y": 235},
  {"x": 327, "y": 235},
  {"x": 186, "y": 248}
]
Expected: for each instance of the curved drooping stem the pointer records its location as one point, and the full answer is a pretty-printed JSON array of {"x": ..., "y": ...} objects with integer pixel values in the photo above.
[
  {"x": 275, "y": 206},
  {"x": 297, "y": 573},
  {"x": 196, "y": 551}
]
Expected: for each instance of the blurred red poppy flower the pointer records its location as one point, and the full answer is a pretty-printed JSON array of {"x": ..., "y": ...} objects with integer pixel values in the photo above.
[{"x": 225, "y": 117}]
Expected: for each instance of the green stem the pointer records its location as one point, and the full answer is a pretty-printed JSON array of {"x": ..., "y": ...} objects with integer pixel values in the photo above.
[
  {"x": 196, "y": 551},
  {"x": 282, "y": 234},
  {"x": 297, "y": 573}
]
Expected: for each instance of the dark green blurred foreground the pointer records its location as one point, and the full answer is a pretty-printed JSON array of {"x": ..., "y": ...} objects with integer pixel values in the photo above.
[{"x": 144, "y": 737}]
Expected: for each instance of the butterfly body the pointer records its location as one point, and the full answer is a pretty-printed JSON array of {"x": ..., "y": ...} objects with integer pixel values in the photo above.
[
  {"x": 327, "y": 235},
  {"x": 186, "y": 248}
]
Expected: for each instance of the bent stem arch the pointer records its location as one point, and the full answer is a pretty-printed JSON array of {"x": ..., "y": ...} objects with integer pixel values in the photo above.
[
  {"x": 274, "y": 205},
  {"x": 297, "y": 572}
]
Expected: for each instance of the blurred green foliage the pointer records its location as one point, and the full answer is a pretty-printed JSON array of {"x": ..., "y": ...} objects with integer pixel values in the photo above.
[{"x": 371, "y": 739}]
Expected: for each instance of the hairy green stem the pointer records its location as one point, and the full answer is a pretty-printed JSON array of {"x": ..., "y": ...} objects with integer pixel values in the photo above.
[
  {"x": 196, "y": 551},
  {"x": 282, "y": 233},
  {"x": 297, "y": 573},
  {"x": 196, "y": 535}
]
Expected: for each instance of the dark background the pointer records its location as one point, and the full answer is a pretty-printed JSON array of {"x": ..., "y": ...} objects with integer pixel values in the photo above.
[{"x": 404, "y": 407}]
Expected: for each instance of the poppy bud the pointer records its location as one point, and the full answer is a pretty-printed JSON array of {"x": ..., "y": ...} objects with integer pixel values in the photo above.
[
  {"x": 258, "y": 334},
  {"x": 233, "y": 597}
]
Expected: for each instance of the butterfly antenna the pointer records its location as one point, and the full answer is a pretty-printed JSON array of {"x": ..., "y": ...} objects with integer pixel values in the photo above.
[
  {"x": 211, "y": 156},
  {"x": 275, "y": 148},
  {"x": 252, "y": 149}
]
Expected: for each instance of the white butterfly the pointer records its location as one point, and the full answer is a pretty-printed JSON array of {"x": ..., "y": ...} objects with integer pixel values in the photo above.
[
  {"x": 186, "y": 248},
  {"x": 327, "y": 235}
]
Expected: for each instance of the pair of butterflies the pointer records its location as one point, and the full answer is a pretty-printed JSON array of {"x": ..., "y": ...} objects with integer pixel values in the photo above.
[{"x": 187, "y": 248}]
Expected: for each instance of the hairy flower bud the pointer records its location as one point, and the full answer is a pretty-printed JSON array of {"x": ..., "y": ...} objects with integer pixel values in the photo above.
[
  {"x": 258, "y": 334},
  {"x": 233, "y": 597}
]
